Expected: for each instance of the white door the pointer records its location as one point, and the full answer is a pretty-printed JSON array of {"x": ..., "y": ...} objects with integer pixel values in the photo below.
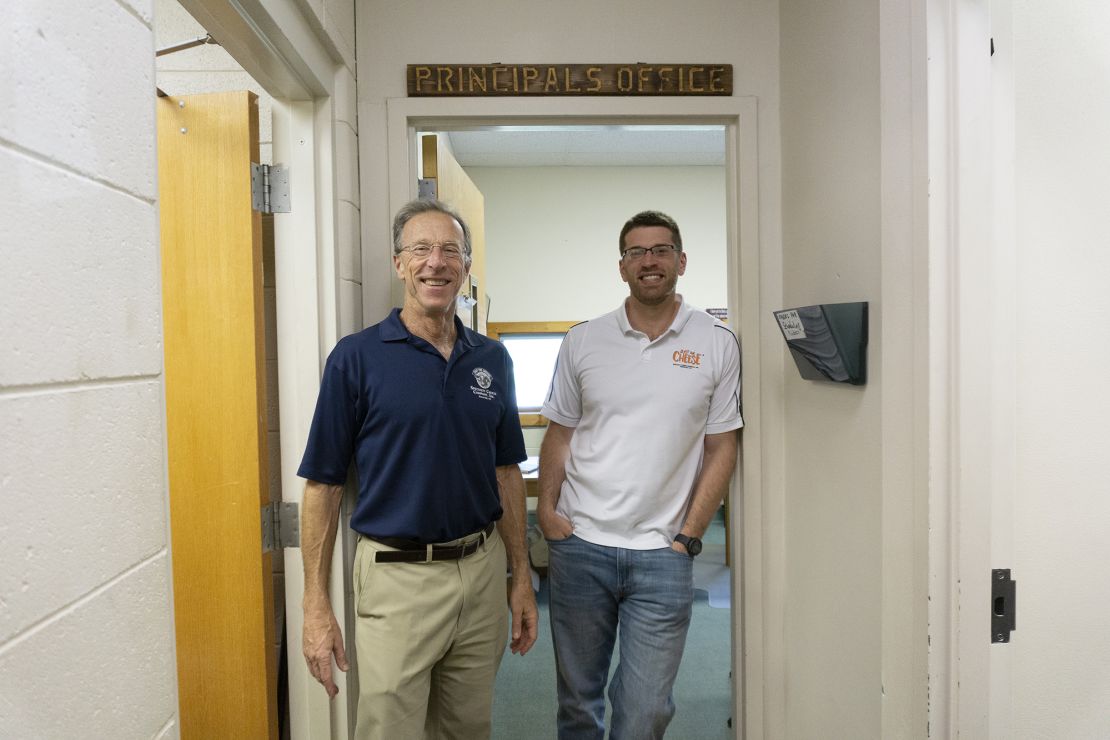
[
  {"x": 1052, "y": 72},
  {"x": 1029, "y": 316}
]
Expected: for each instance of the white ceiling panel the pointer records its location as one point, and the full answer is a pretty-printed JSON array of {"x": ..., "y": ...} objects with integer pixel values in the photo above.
[{"x": 583, "y": 146}]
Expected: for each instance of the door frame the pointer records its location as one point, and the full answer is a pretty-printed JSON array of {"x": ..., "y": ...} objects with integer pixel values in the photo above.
[
  {"x": 753, "y": 652},
  {"x": 972, "y": 386},
  {"x": 277, "y": 46}
]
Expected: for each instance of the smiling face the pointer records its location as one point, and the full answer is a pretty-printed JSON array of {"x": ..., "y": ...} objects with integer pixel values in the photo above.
[
  {"x": 432, "y": 282},
  {"x": 651, "y": 279}
]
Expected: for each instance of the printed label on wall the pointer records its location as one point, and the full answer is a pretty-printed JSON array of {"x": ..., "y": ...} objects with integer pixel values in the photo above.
[{"x": 791, "y": 324}]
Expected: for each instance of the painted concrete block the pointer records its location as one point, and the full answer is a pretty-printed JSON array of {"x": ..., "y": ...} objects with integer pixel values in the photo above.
[
  {"x": 346, "y": 163},
  {"x": 79, "y": 278},
  {"x": 103, "y": 669},
  {"x": 345, "y": 98},
  {"x": 350, "y": 242},
  {"x": 61, "y": 103},
  {"x": 144, "y": 9},
  {"x": 170, "y": 732},
  {"x": 350, "y": 308},
  {"x": 173, "y": 25},
  {"x": 85, "y": 497}
]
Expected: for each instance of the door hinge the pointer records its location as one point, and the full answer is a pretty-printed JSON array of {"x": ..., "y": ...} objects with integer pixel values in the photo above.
[
  {"x": 281, "y": 526},
  {"x": 270, "y": 188},
  {"x": 427, "y": 189},
  {"x": 1003, "y": 605}
]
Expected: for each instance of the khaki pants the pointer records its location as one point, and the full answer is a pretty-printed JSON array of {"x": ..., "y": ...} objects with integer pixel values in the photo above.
[{"x": 429, "y": 638}]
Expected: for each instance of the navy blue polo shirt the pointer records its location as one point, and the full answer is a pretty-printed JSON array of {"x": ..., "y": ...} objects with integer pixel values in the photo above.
[{"x": 426, "y": 433}]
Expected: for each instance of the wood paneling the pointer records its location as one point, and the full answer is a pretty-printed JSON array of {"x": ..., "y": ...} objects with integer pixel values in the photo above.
[{"x": 455, "y": 188}]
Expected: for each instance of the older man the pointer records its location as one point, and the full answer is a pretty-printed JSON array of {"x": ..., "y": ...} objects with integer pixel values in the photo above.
[
  {"x": 644, "y": 408},
  {"x": 426, "y": 409}
]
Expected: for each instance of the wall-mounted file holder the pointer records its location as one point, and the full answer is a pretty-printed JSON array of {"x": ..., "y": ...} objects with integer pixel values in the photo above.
[{"x": 828, "y": 341}]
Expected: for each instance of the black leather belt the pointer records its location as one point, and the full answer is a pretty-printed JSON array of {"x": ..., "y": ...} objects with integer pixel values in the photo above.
[{"x": 411, "y": 551}]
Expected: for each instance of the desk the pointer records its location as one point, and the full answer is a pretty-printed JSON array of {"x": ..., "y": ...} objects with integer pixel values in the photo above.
[{"x": 530, "y": 470}]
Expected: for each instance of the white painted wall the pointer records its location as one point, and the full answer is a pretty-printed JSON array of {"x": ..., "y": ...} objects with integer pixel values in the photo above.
[
  {"x": 551, "y": 235},
  {"x": 855, "y": 632},
  {"x": 86, "y": 634},
  {"x": 1061, "y": 502}
]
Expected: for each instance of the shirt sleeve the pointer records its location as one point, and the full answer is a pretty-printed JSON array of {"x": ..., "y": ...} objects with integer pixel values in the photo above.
[
  {"x": 327, "y": 455},
  {"x": 564, "y": 396},
  {"x": 724, "y": 406}
]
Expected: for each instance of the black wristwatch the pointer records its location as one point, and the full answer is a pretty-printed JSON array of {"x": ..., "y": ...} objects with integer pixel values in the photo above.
[{"x": 692, "y": 544}]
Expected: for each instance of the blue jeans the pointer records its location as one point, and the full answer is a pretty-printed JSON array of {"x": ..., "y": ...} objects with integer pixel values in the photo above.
[{"x": 595, "y": 591}]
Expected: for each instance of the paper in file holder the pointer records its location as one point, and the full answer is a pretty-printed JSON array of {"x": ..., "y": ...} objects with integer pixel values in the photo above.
[{"x": 828, "y": 341}]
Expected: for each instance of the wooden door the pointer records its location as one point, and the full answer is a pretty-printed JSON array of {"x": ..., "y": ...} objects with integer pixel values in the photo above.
[
  {"x": 215, "y": 415},
  {"x": 455, "y": 188}
]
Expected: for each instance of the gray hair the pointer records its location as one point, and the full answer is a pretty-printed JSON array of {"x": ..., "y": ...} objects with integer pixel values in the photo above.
[{"x": 415, "y": 208}]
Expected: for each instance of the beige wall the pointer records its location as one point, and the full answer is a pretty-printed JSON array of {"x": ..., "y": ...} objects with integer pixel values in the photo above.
[
  {"x": 832, "y": 253},
  {"x": 744, "y": 34},
  {"x": 855, "y": 502},
  {"x": 551, "y": 235}
]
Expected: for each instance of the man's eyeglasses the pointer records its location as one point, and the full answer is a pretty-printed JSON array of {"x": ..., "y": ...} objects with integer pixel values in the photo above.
[
  {"x": 637, "y": 253},
  {"x": 450, "y": 251}
]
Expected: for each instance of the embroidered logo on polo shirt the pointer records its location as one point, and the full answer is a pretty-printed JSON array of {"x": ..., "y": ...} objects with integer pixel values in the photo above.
[
  {"x": 484, "y": 380},
  {"x": 687, "y": 358}
]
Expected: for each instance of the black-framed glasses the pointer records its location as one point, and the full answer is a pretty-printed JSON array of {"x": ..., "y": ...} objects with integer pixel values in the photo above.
[
  {"x": 638, "y": 253},
  {"x": 450, "y": 250}
]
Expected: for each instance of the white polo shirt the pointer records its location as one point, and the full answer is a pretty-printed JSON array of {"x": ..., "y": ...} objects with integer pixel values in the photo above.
[{"x": 640, "y": 410}]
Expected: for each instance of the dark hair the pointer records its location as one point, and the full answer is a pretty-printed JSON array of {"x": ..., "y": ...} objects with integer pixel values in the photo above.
[
  {"x": 651, "y": 218},
  {"x": 415, "y": 208}
]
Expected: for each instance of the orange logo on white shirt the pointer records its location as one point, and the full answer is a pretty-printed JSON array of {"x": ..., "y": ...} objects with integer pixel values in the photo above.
[{"x": 687, "y": 358}]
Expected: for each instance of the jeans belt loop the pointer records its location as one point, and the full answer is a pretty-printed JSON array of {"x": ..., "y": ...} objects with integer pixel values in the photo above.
[{"x": 428, "y": 554}]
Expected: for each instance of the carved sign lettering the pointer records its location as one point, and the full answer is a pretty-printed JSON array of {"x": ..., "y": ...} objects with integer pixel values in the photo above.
[{"x": 470, "y": 80}]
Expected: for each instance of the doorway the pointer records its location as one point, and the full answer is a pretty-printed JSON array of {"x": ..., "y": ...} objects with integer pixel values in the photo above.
[
  {"x": 408, "y": 117},
  {"x": 303, "y": 85},
  {"x": 554, "y": 198}
]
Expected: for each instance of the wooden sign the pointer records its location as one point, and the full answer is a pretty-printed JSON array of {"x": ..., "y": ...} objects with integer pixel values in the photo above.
[{"x": 538, "y": 80}]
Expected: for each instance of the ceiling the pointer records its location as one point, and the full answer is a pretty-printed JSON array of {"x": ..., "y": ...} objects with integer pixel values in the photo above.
[{"x": 596, "y": 146}]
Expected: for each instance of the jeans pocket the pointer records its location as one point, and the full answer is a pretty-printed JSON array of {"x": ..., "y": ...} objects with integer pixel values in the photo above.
[{"x": 683, "y": 555}]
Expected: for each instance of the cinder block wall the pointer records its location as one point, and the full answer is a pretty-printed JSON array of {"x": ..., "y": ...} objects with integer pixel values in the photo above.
[{"x": 86, "y": 632}]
